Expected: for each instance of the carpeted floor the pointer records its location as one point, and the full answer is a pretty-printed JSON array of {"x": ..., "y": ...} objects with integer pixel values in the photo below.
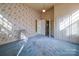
[{"x": 39, "y": 46}]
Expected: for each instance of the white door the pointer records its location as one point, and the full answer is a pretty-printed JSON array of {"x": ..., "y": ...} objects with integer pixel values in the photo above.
[{"x": 41, "y": 27}]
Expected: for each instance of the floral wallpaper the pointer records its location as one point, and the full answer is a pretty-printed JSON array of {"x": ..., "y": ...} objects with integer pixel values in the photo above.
[{"x": 21, "y": 16}]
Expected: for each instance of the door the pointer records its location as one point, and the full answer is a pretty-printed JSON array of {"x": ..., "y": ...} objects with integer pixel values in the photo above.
[
  {"x": 41, "y": 27},
  {"x": 47, "y": 28}
]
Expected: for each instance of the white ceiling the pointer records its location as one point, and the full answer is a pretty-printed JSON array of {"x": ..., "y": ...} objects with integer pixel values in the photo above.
[{"x": 40, "y": 6}]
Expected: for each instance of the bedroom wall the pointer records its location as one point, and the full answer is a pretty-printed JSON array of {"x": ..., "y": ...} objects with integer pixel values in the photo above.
[
  {"x": 21, "y": 17},
  {"x": 66, "y": 22}
]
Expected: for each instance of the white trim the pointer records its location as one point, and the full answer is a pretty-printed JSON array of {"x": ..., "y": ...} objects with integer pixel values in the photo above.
[
  {"x": 25, "y": 40},
  {"x": 20, "y": 50}
]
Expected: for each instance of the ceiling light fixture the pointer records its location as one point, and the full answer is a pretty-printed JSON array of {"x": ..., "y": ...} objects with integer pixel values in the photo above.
[{"x": 43, "y": 10}]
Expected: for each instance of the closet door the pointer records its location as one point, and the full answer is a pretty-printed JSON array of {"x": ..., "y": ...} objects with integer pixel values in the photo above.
[{"x": 41, "y": 27}]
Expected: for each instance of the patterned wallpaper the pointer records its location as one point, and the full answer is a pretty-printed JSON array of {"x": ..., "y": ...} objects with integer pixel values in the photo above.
[{"x": 21, "y": 16}]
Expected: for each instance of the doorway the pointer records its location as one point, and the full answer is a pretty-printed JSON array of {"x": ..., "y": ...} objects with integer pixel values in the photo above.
[
  {"x": 47, "y": 28},
  {"x": 35, "y": 25}
]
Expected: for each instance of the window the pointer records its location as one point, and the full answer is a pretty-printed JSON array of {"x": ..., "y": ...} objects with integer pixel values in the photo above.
[
  {"x": 69, "y": 20},
  {"x": 64, "y": 23},
  {"x": 73, "y": 30},
  {"x": 70, "y": 23},
  {"x": 1, "y": 21},
  {"x": 1, "y": 16},
  {"x": 5, "y": 23},
  {"x": 4, "y": 30}
]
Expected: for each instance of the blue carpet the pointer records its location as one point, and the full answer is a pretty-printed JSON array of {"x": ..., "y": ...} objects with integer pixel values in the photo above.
[{"x": 40, "y": 46}]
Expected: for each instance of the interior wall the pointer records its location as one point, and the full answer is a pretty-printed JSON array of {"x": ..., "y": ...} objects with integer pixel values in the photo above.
[
  {"x": 49, "y": 15},
  {"x": 66, "y": 22},
  {"x": 21, "y": 17}
]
